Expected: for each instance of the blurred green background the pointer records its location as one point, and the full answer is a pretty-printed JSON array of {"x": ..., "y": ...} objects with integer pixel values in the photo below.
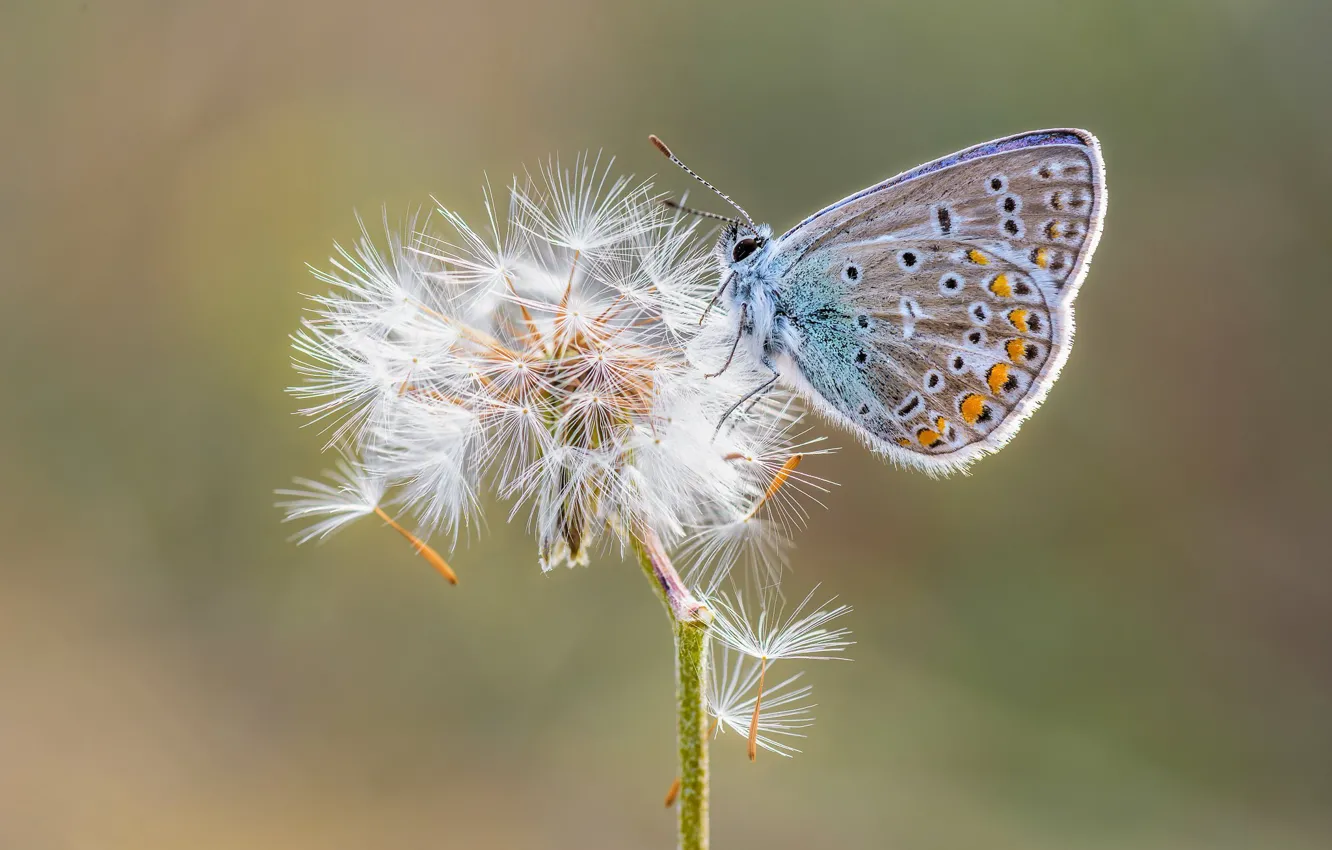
[{"x": 1115, "y": 634}]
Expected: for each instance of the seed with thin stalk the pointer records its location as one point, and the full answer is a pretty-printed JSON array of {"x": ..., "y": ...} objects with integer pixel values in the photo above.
[
  {"x": 422, "y": 548},
  {"x": 758, "y": 702},
  {"x": 777, "y": 481},
  {"x": 734, "y": 703},
  {"x": 353, "y": 493},
  {"x": 773, "y": 637}
]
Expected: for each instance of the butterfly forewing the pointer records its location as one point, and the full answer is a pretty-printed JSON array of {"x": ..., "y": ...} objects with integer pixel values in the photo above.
[{"x": 935, "y": 310}]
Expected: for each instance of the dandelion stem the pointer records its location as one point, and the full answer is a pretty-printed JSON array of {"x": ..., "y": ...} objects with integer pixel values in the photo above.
[
  {"x": 690, "y": 619},
  {"x": 691, "y": 642},
  {"x": 679, "y": 601},
  {"x": 674, "y": 791},
  {"x": 422, "y": 548}
]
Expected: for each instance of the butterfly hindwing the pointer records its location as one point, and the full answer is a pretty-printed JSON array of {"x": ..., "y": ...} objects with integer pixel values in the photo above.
[{"x": 935, "y": 310}]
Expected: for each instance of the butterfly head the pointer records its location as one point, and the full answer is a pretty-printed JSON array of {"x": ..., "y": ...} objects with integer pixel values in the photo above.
[{"x": 742, "y": 247}]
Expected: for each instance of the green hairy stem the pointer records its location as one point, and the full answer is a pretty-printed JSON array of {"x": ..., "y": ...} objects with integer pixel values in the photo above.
[
  {"x": 690, "y": 620},
  {"x": 691, "y": 647}
]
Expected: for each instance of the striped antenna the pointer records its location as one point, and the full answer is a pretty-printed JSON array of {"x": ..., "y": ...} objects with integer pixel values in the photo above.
[
  {"x": 661, "y": 146},
  {"x": 676, "y": 205}
]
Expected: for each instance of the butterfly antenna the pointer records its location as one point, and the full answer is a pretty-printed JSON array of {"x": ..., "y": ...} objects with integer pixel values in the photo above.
[
  {"x": 676, "y": 205},
  {"x": 661, "y": 146}
]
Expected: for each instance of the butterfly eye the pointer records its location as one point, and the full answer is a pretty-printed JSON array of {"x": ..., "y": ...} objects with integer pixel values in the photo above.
[{"x": 744, "y": 248}]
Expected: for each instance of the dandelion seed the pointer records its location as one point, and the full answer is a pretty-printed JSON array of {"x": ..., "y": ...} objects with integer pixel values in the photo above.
[
  {"x": 777, "y": 481},
  {"x": 673, "y": 792},
  {"x": 758, "y": 702},
  {"x": 354, "y": 493},
  {"x": 580, "y": 211},
  {"x": 751, "y": 544},
  {"x": 734, "y": 702},
  {"x": 431, "y": 556},
  {"x": 774, "y": 636}
]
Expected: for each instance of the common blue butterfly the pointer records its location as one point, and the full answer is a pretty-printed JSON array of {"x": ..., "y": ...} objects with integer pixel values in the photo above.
[{"x": 930, "y": 313}]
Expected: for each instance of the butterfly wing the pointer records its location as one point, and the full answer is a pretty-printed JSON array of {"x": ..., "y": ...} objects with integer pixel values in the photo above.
[{"x": 933, "y": 312}]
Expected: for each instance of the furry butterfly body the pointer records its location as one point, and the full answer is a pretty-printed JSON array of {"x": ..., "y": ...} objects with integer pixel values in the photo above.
[{"x": 930, "y": 313}]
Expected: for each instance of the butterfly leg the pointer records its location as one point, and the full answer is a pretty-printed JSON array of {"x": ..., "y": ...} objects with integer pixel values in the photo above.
[
  {"x": 760, "y": 393},
  {"x": 739, "y": 332},
  {"x": 755, "y": 395},
  {"x": 716, "y": 297}
]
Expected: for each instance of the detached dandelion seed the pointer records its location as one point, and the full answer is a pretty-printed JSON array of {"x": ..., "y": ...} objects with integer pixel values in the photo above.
[
  {"x": 772, "y": 637},
  {"x": 733, "y": 701},
  {"x": 754, "y": 718}
]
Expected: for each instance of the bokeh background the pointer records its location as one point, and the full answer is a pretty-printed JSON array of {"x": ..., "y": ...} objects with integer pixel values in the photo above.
[{"x": 1115, "y": 634}]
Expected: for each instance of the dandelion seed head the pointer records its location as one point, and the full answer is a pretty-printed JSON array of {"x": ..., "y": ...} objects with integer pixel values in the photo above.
[{"x": 554, "y": 357}]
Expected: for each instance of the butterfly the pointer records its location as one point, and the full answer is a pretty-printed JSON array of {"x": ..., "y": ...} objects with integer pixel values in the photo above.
[{"x": 931, "y": 313}]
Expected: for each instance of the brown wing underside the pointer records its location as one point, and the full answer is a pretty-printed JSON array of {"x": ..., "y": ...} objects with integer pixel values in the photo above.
[{"x": 959, "y": 284}]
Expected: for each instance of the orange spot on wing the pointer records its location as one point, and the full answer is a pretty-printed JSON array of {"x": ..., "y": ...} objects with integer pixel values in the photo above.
[
  {"x": 977, "y": 257},
  {"x": 1052, "y": 230},
  {"x": 1043, "y": 257},
  {"x": 1000, "y": 286},
  {"x": 931, "y": 437},
  {"x": 1015, "y": 349},
  {"x": 996, "y": 376},
  {"x": 903, "y": 442},
  {"x": 1019, "y": 319},
  {"x": 972, "y": 407}
]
